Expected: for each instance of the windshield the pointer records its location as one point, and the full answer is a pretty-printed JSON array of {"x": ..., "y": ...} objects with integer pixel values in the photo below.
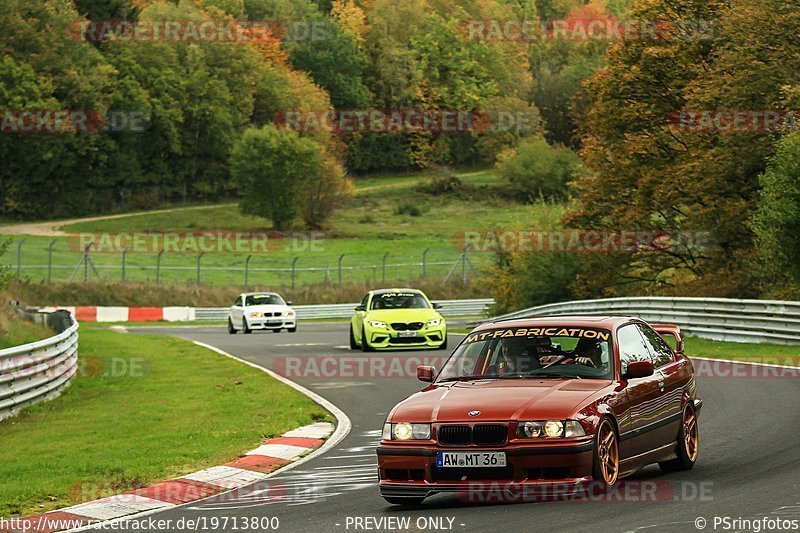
[
  {"x": 399, "y": 300},
  {"x": 542, "y": 352},
  {"x": 264, "y": 299}
]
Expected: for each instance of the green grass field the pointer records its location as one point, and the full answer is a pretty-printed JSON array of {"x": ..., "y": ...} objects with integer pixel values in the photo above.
[
  {"x": 765, "y": 353},
  {"x": 379, "y": 219},
  {"x": 167, "y": 408}
]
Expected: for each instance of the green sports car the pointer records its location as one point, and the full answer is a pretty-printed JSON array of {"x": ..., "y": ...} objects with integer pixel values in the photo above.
[{"x": 397, "y": 318}]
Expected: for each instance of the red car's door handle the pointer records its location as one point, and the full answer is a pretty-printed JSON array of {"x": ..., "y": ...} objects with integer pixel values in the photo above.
[{"x": 661, "y": 385}]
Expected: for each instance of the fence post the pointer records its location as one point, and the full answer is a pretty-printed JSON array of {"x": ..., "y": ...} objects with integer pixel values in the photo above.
[
  {"x": 124, "y": 260},
  {"x": 247, "y": 273},
  {"x": 19, "y": 255},
  {"x": 340, "y": 270},
  {"x": 464, "y": 265},
  {"x": 294, "y": 270},
  {"x": 86, "y": 264},
  {"x": 425, "y": 262},
  {"x": 383, "y": 267},
  {"x": 50, "y": 260},
  {"x": 199, "y": 257},
  {"x": 158, "y": 266}
]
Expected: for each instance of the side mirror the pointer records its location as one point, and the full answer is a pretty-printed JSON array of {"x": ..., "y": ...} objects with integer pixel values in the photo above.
[
  {"x": 639, "y": 369},
  {"x": 425, "y": 373},
  {"x": 437, "y": 306},
  {"x": 288, "y": 302},
  {"x": 361, "y": 308}
]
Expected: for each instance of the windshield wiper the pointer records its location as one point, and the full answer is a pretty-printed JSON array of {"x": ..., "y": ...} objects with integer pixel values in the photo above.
[
  {"x": 467, "y": 378},
  {"x": 554, "y": 375}
]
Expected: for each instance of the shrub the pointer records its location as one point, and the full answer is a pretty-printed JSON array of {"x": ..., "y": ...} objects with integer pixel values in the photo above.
[{"x": 537, "y": 170}]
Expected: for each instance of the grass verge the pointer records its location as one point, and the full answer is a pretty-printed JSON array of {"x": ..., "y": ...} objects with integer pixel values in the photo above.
[
  {"x": 754, "y": 353},
  {"x": 141, "y": 410}
]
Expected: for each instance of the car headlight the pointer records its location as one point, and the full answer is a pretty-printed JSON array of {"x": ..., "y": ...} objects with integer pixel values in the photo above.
[
  {"x": 255, "y": 315},
  {"x": 406, "y": 431},
  {"x": 433, "y": 323},
  {"x": 288, "y": 313},
  {"x": 377, "y": 324},
  {"x": 550, "y": 429}
]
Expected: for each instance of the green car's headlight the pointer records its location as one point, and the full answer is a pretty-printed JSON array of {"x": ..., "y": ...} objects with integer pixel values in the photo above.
[
  {"x": 377, "y": 324},
  {"x": 433, "y": 323},
  {"x": 406, "y": 431},
  {"x": 550, "y": 429}
]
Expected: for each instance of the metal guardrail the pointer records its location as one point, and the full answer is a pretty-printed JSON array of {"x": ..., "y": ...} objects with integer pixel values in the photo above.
[
  {"x": 725, "y": 319},
  {"x": 41, "y": 370},
  {"x": 305, "y": 312}
]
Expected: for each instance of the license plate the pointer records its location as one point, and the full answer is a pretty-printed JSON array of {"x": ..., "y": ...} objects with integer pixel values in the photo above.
[
  {"x": 274, "y": 322},
  {"x": 408, "y": 333},
  {"x": 470, "y": 459}
]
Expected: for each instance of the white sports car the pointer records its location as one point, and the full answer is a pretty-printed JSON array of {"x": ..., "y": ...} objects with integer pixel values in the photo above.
[{"x": 261, "y": 310}]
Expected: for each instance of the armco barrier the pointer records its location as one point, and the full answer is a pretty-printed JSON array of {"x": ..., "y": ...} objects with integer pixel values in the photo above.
[
  {"x": 305, "y": 312},
  {"x": 40, "y": 370},
  {"x": 759, "y": 321}
]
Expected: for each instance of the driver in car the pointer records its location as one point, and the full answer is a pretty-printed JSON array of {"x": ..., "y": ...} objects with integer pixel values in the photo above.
[{"x": 588, "y": 352}]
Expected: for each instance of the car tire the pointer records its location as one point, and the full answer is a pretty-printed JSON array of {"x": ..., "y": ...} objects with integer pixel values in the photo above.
[
  {"x": 443, "y": 346},
  {"x": 365, "y": 347},
  {"x": 688, "y": 443},
  {"x": 353, "y": 344},
  {"x": 231, "y": 329},
  {"x": 292, "y": 330},
  {"x": 605, "y": 467},
  {"x": 403, "y": 501},
  {"x": 247, "y": 330}
]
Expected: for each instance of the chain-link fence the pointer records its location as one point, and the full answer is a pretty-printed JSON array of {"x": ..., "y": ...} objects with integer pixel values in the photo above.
[{"x": 57, "y": 262}]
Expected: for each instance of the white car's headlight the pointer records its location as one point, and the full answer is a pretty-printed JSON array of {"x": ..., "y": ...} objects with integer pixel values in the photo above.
[
  {"x": 255, "y": 314},
  {"x": 406, "y": 431},
  {"x": 550, "y": 429},
  {"x": 433, "y": 323},
  {"x": 377, "y": 324},
  {"x": 288, "y": 313}
]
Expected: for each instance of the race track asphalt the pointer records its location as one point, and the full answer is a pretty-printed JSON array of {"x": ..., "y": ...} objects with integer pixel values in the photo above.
[{"x": 749, "y": 465}]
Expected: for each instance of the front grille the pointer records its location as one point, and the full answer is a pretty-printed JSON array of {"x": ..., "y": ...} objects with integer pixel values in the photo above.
[
  {"x": 489, "y": 434},
  {"x": 455, "y": 434},
  {"x": 402, "y": 326},
  {"x": 505, "y": 473},
  {"x": 482, "y": 434}
]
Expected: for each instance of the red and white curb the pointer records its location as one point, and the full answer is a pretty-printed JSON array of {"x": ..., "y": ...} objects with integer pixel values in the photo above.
[
  {"x": 287, "y": 451},
  {"x": 128, "y": 314}
]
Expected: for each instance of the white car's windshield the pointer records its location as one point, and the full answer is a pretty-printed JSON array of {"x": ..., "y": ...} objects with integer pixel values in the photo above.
[
  {"x": 550, "y": 351},
  {"x": 264, "y": 299}
]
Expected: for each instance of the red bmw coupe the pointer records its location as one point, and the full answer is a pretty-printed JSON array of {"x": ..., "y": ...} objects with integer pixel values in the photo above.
[{"x": 531, "y": 403}]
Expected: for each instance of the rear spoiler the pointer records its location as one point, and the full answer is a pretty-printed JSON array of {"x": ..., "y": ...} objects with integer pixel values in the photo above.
[{"x": 673, "y": 331}]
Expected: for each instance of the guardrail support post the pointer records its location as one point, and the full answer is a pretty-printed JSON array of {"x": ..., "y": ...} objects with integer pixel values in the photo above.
[
  {"x": 247, "y": 273},
  {"x": 50, "y": 260},
  {"x": 425, "y": 262},
  {"x": 294, "y": 270},
  {"x": 383, "y": 267},
  {"x": 340, "y": 270},
  {"x": 199, "y": 257},
  {"x": 19, "y": 255}
]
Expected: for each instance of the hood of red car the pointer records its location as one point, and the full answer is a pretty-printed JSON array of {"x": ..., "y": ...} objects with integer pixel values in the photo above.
[{"x": 498, "y": 400}]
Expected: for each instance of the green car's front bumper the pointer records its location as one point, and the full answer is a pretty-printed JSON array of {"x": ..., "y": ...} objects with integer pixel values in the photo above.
[{"x": 389, "y": 337}]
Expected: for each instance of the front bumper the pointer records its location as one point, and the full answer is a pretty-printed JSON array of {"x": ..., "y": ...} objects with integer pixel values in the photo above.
[
  {"x": 535, "y": 469},
  {"x": 272, "y": 323},
  {"x": 388, "y": 338}
]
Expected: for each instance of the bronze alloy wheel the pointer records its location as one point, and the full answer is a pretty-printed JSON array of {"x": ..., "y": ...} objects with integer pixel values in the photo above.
[
  {"x": 607, "y": 452},
  {"x": 691, "y": 435}
]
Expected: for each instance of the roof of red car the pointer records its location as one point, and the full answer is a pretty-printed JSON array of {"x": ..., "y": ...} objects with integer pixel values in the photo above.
[{"x": 589, "y": 321}]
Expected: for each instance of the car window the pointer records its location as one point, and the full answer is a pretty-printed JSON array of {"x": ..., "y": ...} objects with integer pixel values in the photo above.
[
  {"x": 238, "y": 301},
  {"x": 662, "y": 354},
  {"x": 399, "y": 300},
  {"x": 365, "y": 301},
  {"x": 631, "y": 347},
  {"x": 264, "y": 299}
]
